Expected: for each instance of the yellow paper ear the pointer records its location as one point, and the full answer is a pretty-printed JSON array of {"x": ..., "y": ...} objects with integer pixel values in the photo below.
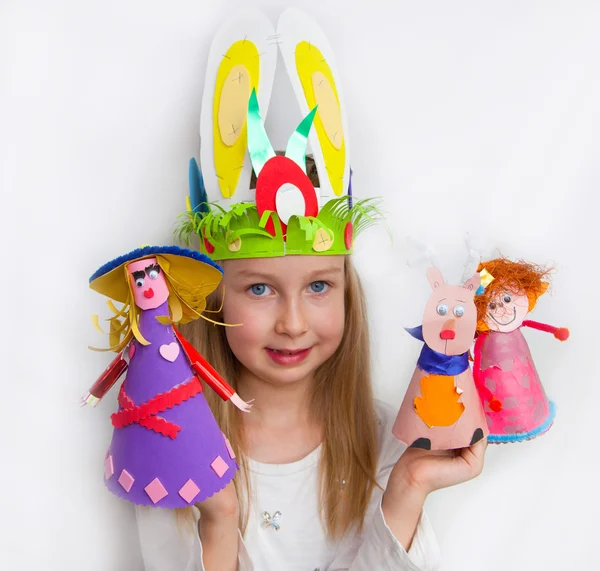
[
  {"x": 319, "y": 89},
  {"x": 242, "y": 57},
  {"x": 237, "y": 76},
  {"x": 311, "y": 66}
]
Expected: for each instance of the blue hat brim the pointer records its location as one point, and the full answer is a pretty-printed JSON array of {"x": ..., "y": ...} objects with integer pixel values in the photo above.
[{"x": 147, "y": 251}]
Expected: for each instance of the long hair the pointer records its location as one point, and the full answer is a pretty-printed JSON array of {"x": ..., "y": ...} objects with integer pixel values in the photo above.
[
  {"x": 520, "y": 278},
  {"x": 186, "y": 302},
  {"x": 342, "y": 401}
]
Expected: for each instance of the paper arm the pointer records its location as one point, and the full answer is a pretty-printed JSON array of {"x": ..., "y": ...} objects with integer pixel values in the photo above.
[
  {"x": 106, "y": 380},
  {"x": 484, "y": 393},
  {"x": 561, "y": 333},
  {"x": 205, "y": 370}
]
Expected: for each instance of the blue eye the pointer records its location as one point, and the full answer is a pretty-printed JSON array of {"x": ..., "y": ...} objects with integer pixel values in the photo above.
[
  {"x": 259, "y": 289},
  {"x": 318, "y": 287},
  {"x": 459, "y": 310}
]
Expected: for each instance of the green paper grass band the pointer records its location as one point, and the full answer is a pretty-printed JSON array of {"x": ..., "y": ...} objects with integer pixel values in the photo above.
[{"x": 220, "y": 228}]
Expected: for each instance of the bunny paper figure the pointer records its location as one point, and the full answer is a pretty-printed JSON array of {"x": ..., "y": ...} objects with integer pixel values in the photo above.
[
  {"x": 514, "y": 400},
  {"x": 167, "y": 449},
  {"x": 441, "y": 409},
  {"x": 285, "y": 214}
]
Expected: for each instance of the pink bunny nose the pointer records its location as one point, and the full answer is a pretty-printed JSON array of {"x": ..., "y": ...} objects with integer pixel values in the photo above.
[{"x": 448, "y": 329}]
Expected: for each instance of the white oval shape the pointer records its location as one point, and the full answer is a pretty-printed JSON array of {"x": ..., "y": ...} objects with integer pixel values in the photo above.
[{"x": 289, "y": 202}]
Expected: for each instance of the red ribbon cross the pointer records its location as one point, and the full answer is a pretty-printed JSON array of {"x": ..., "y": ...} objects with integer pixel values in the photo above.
[{"x": 146, "y": 413}]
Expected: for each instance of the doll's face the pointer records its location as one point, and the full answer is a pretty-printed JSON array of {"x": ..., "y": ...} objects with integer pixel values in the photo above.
[
  {"x": 506, "y": 311},
  {"x": 147, "y": 283},
  {"x": 450, "y": 316},
  {"x": 292, "y": 310}
]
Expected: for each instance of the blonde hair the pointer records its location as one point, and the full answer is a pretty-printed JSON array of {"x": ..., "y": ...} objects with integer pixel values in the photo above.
[
  {"x": 186, "y": 303},
  {"x": 342, "y": 401}
]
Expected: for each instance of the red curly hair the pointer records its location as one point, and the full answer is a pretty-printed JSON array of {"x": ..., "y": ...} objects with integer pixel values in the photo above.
[{"x": 519, "y": 277}]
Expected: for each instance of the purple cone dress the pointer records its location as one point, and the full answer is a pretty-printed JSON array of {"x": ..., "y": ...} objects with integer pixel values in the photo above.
[{"x": 169, "y": 452}]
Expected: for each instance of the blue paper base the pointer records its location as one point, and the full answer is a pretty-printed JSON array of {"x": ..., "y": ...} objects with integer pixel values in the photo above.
[{"x": 506, "y": 438}]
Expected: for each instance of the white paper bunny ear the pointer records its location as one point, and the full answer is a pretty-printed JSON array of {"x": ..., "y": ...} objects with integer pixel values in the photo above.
[
  {"x": 243, "y": 57},
  {"x": 419, "y": 254},
  {"x": 312, "y": 69},
  {"x": 478, "y": 248}
]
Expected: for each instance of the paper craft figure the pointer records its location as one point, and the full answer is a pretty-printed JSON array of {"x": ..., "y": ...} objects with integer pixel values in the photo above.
[
  {"x": 285, "y": 214},
  {"x": 167, "y": 449},
  {"x": 441, "y": 409},
  {"x": 514, "y": 400}
]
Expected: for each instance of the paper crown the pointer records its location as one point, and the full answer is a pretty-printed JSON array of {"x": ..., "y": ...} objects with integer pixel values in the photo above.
[{"x": 285, "y": 214}]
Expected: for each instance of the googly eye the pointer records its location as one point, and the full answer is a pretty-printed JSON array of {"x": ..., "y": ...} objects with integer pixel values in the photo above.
[
  {"x": 153, "y": 274},
  {"x": 458, "y": 310},
  {"x": 139, "y": 282},
  {"x": 442, "y": 309},
  {"x": 507, "y": 298}
]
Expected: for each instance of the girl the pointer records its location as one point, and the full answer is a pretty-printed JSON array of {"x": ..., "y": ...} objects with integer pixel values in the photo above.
[{"x": 324, "y": 485}]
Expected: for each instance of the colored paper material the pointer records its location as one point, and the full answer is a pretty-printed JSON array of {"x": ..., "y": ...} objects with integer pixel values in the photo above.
[
  {"x": 441, "y": 408},
  {"x": 514, "y": 400},
  {"x": 286, "y": 214},
  {"x": 166, "y": 448}
]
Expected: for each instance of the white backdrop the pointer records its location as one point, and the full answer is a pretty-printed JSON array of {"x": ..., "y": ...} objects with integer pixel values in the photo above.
[{"x": 465, "y": 117}]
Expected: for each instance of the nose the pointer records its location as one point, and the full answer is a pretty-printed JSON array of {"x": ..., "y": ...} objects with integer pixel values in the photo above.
[
  {"x": 448, "y": 329},
  {"x": 291, "y": 320}
]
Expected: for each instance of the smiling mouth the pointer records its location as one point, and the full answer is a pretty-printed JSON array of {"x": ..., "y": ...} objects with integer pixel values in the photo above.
[
  {"x": 288, "y": 356},
  {"x": 500, "y": 322}
]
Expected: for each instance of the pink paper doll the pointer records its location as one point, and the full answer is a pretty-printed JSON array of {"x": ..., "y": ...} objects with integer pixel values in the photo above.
[{"x": 514, "y": 400}]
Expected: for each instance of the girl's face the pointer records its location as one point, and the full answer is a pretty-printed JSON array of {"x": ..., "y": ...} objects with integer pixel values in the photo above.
[
  {"x": 292, "y": 311},
  {"x": 506, "y": 311},
  {"x": 147, "y": 283}
]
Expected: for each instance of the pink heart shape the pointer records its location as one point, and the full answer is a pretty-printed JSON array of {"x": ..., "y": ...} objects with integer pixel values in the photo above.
[{"x": 170, "y": 352}]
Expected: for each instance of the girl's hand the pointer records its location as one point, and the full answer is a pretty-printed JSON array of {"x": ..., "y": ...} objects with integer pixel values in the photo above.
[
  {"x": 218, "y": 529},
  {"x": 222, "y": 506},
  {"x": 418, "y": 473},
  {"x": 426, "y": 471}
]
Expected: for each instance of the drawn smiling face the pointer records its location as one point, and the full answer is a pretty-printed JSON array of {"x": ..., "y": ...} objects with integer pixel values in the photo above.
[
  {"x": 506, "y": 311},
  {"x": 147, "y": 283}
]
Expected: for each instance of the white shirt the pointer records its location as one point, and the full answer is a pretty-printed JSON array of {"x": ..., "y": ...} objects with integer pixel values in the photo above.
[{"x": 301, "y": 543}]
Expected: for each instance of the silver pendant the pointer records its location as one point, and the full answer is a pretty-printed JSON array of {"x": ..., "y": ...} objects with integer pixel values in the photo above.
[{"x": 271, "y": 520}]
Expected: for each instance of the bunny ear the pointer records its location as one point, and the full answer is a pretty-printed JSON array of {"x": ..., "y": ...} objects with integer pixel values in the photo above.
[
  {"x": 242, "y": 57},
  {"x": 311, "y": 66},
  {"x": 473, "y": 283},
  {"x": 435, "y": 277}
]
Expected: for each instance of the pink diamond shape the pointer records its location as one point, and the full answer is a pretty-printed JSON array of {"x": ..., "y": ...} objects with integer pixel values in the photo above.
[
  {"x": 156, "y": 491},
  {"x": 109, "y": 468},
  {"x": 126, "y": 480},
  {"x": 219, "y": 466},
  {"x": 189, "y": 491},
  {"x": 229, "y": 448}
]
